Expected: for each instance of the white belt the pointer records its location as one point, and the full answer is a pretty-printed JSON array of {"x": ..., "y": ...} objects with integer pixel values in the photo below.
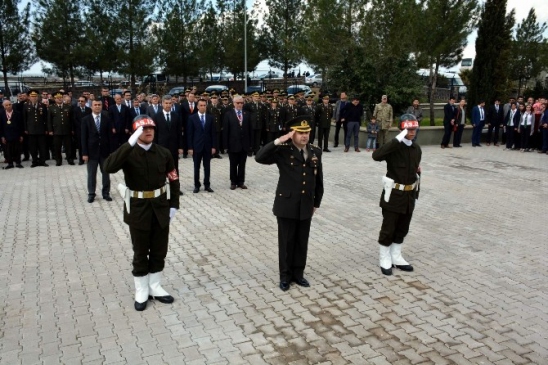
[
  {"x": 403, "y": 187},
  {"x": 148, "y": 194}
]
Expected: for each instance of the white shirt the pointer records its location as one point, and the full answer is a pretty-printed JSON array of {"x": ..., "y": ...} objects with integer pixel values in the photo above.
[{"x": 526, "y": 119}]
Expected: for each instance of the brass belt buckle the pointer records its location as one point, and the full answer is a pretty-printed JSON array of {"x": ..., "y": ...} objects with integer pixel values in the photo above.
[
  {"x": 148, "y": 194},
  {"x": 397, "y": 186}
]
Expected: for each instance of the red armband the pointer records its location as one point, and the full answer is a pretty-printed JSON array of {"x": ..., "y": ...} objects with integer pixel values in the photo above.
[{"x": 172, "y": 176}]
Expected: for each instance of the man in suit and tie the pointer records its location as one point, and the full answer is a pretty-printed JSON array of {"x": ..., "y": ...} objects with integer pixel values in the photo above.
[
  {"x": 449, "y": 111},
  {"x": 127, "y": 99},
  {"x": 136, "y": 109},
  {"x": 96, "y": 148},
  {"x": 238, "y": 139},
  {"x": 495, "y": 120},
  {"x": 202, "y": 143},
  {"x": 188, "y": 107},
  {"x": 106, "y": 99},
  {"x": 154, "y": 107},
  {"x": 11, "y": 134},
  {"x": 169, "y": 131},
  {"x": 121, "y": 124},
  {"x": 78, "y": 113},
  {"x": 478, "y": 121}
]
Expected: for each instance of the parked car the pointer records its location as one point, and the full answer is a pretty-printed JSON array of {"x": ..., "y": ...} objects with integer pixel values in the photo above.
[
  {"x": 269, "y": 76},
  {"x": 116, "y": 91},
  {"x": 292, "y": 90},
  {"x": 14, "y": 88},
  {"x": 84, "y": 83},
  {"x": 216, "y": 88},
  {"x": 177, "y": 90},
  {"x": 251, "y": 89},
  {"x": 313, "y": 80}
]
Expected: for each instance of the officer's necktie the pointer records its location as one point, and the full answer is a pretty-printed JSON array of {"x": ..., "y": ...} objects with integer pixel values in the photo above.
[
  {"x": 98, "y": 123},
  {"x": 203, "y": 121},
  {"x": 302, "y": 154}
]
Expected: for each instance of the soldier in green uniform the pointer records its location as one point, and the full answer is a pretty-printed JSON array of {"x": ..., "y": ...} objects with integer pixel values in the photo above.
[
  {"x": 384, "y": 114},
  {"x": 214, "y": 108},
  {"x": 298, "y": 195},
  {"x": 257, "y": 119},
  {"x": 309, "y": 110},
  {"x": 151, "y": 195},
  {"x": 289, "y": 111},
  {"x": 273, "y": 121},
  {"x": 60, "y": 127},
  {"x": 401, "y": 189},
  {"x": 35, "y": 123},
  {"x": 324, "y": 113}
]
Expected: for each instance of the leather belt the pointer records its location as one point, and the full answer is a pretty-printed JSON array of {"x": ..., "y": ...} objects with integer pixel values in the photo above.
[
  {"x": 148, "y": 194},
  {"x": 403, "y": 187}
]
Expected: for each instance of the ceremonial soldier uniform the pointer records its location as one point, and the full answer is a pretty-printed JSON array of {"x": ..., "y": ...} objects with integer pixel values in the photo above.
[
  {"x": 298, "y": 194},
  {"x": 60, "y": 126},
  {"x": 401, "y": 189},
  {"x": 151, "y": 195},
  {"x": 273, "y": 121},
  {"x": 308, "y": 110},
  {"x": 324, "y": 114},
  {"x": 35, "y": 124},
  {"x": 215, "y": 109}
]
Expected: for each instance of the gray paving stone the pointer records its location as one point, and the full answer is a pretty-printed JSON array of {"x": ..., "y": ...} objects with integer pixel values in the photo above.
[{"x": 477, "y": 294}]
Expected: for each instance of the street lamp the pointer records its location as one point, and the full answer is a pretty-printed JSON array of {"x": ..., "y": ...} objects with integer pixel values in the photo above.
[{"x": 245, "y": 46}]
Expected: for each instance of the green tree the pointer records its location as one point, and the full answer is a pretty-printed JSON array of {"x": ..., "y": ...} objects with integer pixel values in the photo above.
[
  {"x": 528, "y": 49},
  {"x": 491, "y": 73},
  {"x": 100, "y": 40},
  {"x": 135, "y": 47},
  {"x": 176, "y": 34},
  {"x": 209, "y": 41},
  {"x": 58, "y": 35},
  {"x": 16, "y": 48},
  {"x": 232, "y": 23},
  {"x": 282, "y": 33},
  {"x": 442, "y": 37}
]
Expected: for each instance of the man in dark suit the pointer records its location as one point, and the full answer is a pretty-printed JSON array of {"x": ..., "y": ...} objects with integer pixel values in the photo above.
[
  {"x": 449, "y": 111},
  {"x": 202, "y": 143},
  {"x": 22, "y": 100},
  {"x": 121, "y": 123},
  {"x": 11, "y": 134},
  {"x": 154, "y": 107},
  {"x": 188, "y": 107},
  {"x": 478, "y": 121},
  {"x": 136, "y": 109},
  {"x": 495, "y": 120},
  {"x": 78, "y": 113},
  {"x": 168, "y": 131},
  {"x": 106, "y": 99},
  {"x": 96, "y": 139},
  {"x": 298, "y": 195},
  {"x": 238, "y": 139}
]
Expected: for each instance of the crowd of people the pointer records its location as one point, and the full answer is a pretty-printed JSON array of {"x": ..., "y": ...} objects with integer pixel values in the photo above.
[{"x": 518, "y": 124}]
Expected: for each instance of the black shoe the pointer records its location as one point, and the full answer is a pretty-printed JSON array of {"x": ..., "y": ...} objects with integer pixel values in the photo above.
[
  {"x": 242, "y": 186},
  {"x": 185, "y": 156},
  {"x": 302, "y": 282},
  {"x": 404, "y": 267},
  {"x": 232, "y": 187},
  {"x": 180, "y": 192},
  {"x": 209, "y": 190},
  {"x": 326, "y": 150},
  {"x": 335, "y": 145},
  {"x": 479, "y": 145},
  {"x": 218, "y": 156},
  {"x": 140, "y": 306},
  {"x": 196, "y": 190},
  {"x": 8, "y": 167},
  {"x": 91, "y": 199},
  {"x": 386, "y": 271},
  {"x": 58, "y": 163},
  {"x": 284, "y": 285},
  {"x": 71, "y": 162},
  {"x": 34, "y": 165},
  {"x": 19, "y": 166},
  {"x": 166, "y": 299},
  {"x": 80, "y": 163},
  {"x": 107, "y": 198},
  {"x": 25, "y": 159},
  {"x": 44, "y": 164}
]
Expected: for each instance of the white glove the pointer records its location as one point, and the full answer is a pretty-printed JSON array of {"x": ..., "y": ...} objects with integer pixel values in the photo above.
[
  {"x": 402, "y": 135},
  {"x": 135, "y": 136},
  {"x": 172, "y": 212}
]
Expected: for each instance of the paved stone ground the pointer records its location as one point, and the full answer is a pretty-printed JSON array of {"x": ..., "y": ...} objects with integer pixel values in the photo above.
[{"x": 478, "y": 294}]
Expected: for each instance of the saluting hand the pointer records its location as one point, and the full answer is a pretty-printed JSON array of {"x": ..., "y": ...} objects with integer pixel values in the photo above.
[{"x": 286, "y": 137}]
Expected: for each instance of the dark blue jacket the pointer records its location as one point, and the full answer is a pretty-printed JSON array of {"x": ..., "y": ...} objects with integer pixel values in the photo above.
[
  {"x": 13, "y": 130},
  {"x": 201, "y": 139}
]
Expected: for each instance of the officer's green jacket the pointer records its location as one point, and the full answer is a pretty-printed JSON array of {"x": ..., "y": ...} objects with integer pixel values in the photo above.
[
  {"x": 324, "y": 114},
  {"x": 146, "y": 171},
  {"x": 300, "y": 185},
  {"x": 59, "y": 119},
  {"x": 402, "y": 163},
  {"x": 35, "y": 118}
]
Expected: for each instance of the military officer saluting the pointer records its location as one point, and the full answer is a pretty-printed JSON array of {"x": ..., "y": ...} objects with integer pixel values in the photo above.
[
  {"x": 401, "y": 189},
  {"x": 60, "y": 127},
  {"x": 298, "y": 195},
  {"x": 151, "y": 195}
]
